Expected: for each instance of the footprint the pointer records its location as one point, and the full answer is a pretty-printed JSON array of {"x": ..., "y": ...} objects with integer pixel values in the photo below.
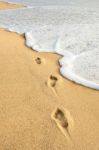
[
  {"x": 59, "y": 115},
  {"x": 38, "y": 60},
  {"x": 52, "y": 81},
  {"x": 64, "y": 121}
]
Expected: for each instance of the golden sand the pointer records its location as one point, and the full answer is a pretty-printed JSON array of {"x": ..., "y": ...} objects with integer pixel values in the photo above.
[
  {"x": 39, "y": 109},
  {"x": 5, "y": 5}
]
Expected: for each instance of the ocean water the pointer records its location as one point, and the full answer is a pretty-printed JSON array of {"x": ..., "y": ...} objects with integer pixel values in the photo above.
[
  {"x": 81, "y": 3},
  {"x": 68, "y": 28}
]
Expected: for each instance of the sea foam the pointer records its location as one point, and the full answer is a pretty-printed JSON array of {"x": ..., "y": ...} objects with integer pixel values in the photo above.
[
  {"x": 80, "y": 3},
  {"x": 70, "y": 31}
]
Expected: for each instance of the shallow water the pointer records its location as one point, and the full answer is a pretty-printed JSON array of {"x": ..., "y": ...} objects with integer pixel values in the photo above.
[
  {"x": 69, "y": 30},
  {"x": 81, "y": 3}
]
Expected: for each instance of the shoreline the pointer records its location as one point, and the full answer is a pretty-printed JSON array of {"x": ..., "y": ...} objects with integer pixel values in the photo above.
[{"x": 68, "y": 72}]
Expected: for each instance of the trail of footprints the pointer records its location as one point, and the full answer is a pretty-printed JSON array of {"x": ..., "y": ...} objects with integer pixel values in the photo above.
[
  {"x": 62, "y": 118},
  {"x": 64, "y": 121},
  {"x": 52, "y": 80}
]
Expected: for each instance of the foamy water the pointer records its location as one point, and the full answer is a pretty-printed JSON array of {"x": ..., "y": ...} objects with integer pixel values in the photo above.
[{"x": 69, "y": 30}]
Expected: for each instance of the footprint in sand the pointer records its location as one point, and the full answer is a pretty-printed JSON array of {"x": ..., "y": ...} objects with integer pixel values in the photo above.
[
  {"x": 52, "y": 81},
  {"x": 63, "y": 120},
  {"x": 38, "y": 60}
]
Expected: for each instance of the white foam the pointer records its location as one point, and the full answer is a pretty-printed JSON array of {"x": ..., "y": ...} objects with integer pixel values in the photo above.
[
  {"x": 82, "y": 69},
  {"x": 69, "y": 31},
  {"x": 43, "y": 39},
  {"x": 80, "y": 3}
]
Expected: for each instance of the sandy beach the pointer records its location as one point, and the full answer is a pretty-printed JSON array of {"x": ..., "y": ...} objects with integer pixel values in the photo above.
[
  {"x": 5, "y": 5},
  {"x": 39, "y": 109}
]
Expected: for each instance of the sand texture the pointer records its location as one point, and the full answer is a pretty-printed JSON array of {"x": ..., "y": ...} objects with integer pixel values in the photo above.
[
  {"x": 39, "y": 109},
  {"x": 5, "y": 5}
]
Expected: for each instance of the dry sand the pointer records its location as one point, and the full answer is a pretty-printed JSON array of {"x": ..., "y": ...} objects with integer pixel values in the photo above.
[
  {"x": 39, "y": 109},
  {"x": 5, "y": 5}
]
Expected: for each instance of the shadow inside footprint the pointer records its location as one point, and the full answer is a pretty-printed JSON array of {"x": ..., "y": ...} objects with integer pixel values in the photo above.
[
  {"x": 53, "y": 80},
  {"x": 38, "y": 60},
  {"x": 64, "y": 121},
  {"x": 59, "y": 115}
]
